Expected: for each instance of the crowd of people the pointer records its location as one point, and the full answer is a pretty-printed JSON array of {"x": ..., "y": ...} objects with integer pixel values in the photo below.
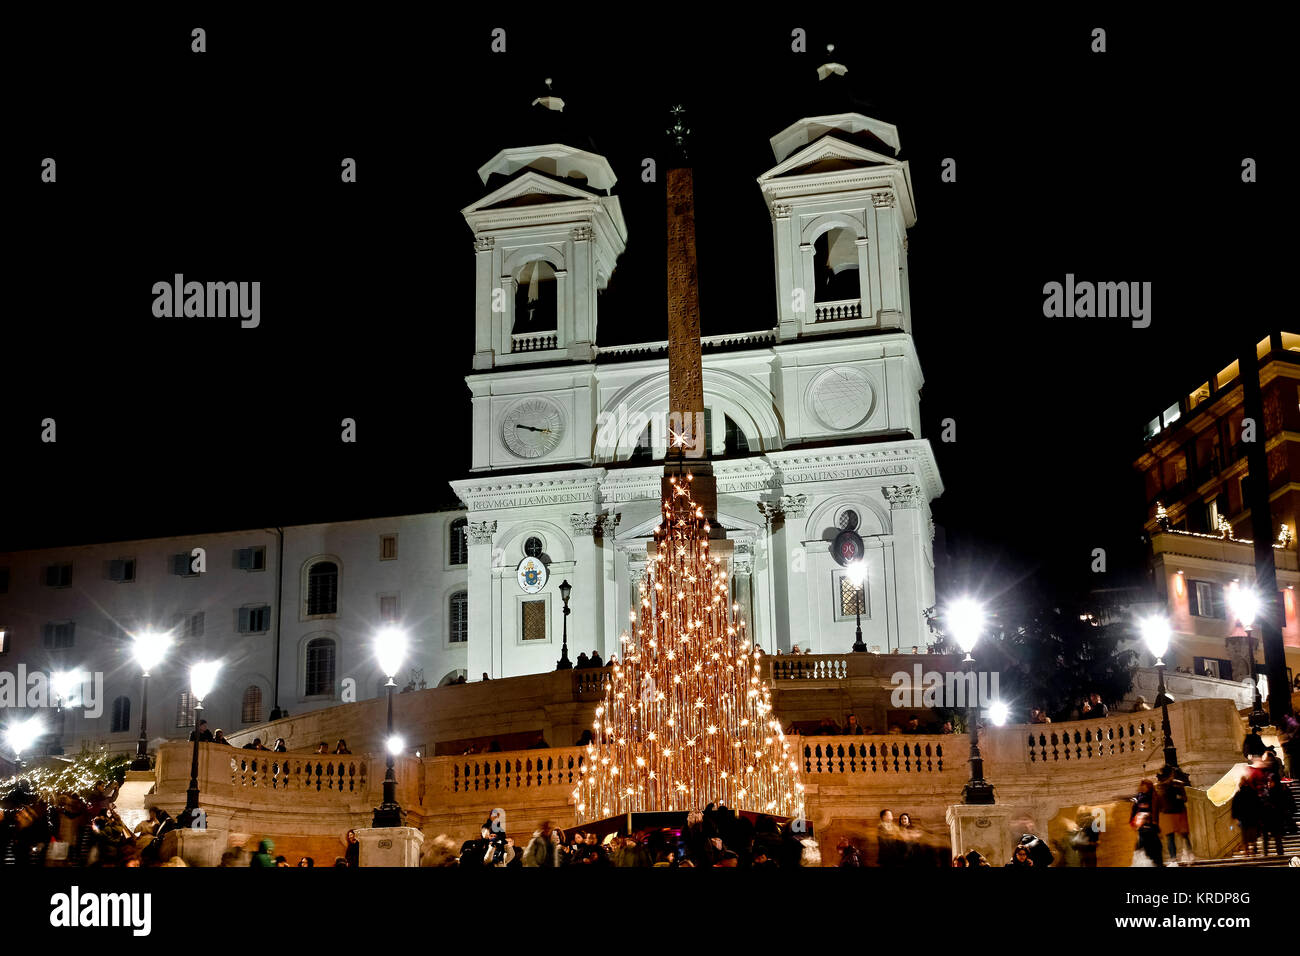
[
  {"x": 714, "y": 837},
  {"x": 1263, "y": 805}
]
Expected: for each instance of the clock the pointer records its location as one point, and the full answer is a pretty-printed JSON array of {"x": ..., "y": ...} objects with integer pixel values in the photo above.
[
  {"x": 532, "y": 428},
  {"x": 532, "y": 575}
]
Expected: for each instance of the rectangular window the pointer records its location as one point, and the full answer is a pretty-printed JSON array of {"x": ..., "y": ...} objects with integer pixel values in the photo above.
[
  {"x": 1212, "y": 667},
  {"x": 122, "y": 570},
  {"x": 251, "y": 559},
  {"x": 255, "y": 620},
  {"x": 388, "y": 610},
  {"x": 182, "y": 566},
  {"x": 459, "y": 542},
  {"x": 58, "y": 576},
  {"x": 184, "y": 709},
  {"x": 4, "y": 641},
  {"x": 60, "y": 635},
  {"x": 1205, "y": 599},
  {"x": 534, "y": 620},
  {"x": 388, "y": 547},
  {"x": 458, "y": 630},
  {"x": 852, "y": 598},
  {"x": 188, "y": 624}
]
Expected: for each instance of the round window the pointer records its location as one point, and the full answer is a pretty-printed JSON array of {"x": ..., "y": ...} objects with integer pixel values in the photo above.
[
  {"x": 848, "y": 520},
  {"x": 533, "y": 547}
]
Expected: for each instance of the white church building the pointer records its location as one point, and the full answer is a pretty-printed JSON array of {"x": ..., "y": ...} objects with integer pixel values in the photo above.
[
  {"x": 813, "y": 422},
  {"x": 813, "y": 426}
]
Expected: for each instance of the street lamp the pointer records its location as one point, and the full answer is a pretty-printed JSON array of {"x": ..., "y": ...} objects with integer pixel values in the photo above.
[
  {"x": 964, "y": 620},
  {"x": 563, "y": 664},
  {"x": 1155, "y": 634},
  {"x": 65, "y": 685},
  {"x": 1245, "y": 607},
  {"x": 148, "y": 648},
  {"x": 20, "y": 735},
  {"x": 857, "y": 574},
  {"x": 202, "y": 676},
  {"x": 390, "y": 649}
]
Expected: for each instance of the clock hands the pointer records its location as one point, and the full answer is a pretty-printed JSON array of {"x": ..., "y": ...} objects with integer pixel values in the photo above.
[{"x": 544, "y": 431}]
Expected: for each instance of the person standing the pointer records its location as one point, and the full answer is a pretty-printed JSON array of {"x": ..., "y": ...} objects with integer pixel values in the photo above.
[
  {"x": 1143, "y": 819},
  {"x": 1171, "y": 814},
  {"x": 1247, "y": 811}
]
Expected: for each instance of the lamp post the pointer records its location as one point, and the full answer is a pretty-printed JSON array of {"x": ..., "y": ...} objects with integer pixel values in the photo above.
[
  {"x": 857, "y": 574},
  {"x": 1245, "y": 607},
  {"x": 390, "y": 649},
  {"x": 148, "y": 648},
  {"x": 1155, "y": 634},
  {"x": 20, "y": 735},
  {"x": 202, "y": 677},
  {"x": 65, "y": 685},
  {"x": 965, "y": 620},
  {"x": 563, "y": 664}
]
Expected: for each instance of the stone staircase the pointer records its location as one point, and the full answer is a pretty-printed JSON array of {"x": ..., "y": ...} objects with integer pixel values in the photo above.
[{"x": 1290, "y": 845}]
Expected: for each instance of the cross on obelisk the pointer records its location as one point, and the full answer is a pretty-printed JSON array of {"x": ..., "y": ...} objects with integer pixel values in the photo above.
[{"x": 687, "y": 452}]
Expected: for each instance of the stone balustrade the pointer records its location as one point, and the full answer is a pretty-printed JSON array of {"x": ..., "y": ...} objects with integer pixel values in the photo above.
[
  {"x": 809, "y": 667},
  {"x": 864, "y": 756},
  {"x": 1123, "y": 735},
  {"x": 837, "y": 311},
  {"x": 533, "y": 341},
  {"x": 344, "y": 775},
  {"x": 546, "y": 774},
  {"x": 589, "y": 682}
]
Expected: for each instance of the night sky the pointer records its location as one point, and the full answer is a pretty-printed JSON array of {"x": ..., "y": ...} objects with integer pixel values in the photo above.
[{"x": 1122, "y": 166}]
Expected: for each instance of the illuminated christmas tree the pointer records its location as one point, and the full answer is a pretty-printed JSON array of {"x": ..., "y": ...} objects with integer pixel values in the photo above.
[{"x": 687, "y": 717}]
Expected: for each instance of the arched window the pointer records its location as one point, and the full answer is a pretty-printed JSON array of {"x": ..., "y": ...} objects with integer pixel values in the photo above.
[
  {"x": 459, "y": 542},
  {"x": 535, "y": 297},
  {"x": 453, "y": 677},
  {"x": 835, "y": 264},
  {"x": 320, "y": 668},
  {"x": 323, "y": 588},
  {"x": 251, "y": 712},
  {"x": 458, "y": 626},
  {"x": 121, "y": 715},
  {"x": 736, "y": 442}
]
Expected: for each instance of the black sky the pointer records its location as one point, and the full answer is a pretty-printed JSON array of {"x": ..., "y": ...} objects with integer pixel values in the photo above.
[{"x": 1123, "y": 166}]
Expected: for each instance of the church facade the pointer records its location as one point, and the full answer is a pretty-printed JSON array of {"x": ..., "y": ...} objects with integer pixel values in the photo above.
[{"x": 813, "y": 423}]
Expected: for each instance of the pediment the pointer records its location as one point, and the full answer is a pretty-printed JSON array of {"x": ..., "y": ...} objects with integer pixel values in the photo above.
[
  {"x": 529, "y": 189},
  {"x": 827, "y": 154}
]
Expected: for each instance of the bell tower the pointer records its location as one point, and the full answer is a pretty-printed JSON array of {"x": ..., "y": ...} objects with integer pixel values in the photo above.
[
  {"x": 547, "y": 237},
  {"x": 841, "y": 203}
]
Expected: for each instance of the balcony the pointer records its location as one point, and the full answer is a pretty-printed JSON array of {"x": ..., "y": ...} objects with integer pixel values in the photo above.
[
  {"x": 838, "y": 311},
  {"x": 534, "y": 341}
]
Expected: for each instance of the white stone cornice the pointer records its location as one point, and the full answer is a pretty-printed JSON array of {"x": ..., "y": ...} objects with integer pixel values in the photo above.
[
  {"x": 905, "y": 457},
  {"x": 526, "y": 491}
]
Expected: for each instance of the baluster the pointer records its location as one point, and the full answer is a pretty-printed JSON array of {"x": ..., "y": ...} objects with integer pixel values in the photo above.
[
  {"x": 894, "y": 750},
  {"x": 938, "y": 756},
  {"x": 1032, "y": 756},
  {"x": 854, "y": 754},
  {"x": 873, "y": 758},
  {"x": 840, "y": 754},
  {"x": 807, "y": 759}
]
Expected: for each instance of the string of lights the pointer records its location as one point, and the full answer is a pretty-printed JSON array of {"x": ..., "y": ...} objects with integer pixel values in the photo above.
[{"x": 687, "y": 717}]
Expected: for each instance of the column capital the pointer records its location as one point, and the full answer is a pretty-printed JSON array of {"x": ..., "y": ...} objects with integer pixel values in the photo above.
[
  {"x": 582, "y": 233},
  {"x": 484, "y": 243},
  {"x": 902, "y": 496},
  {"x": 884, "y": 199},
  {"x": 480, "y": 532}
]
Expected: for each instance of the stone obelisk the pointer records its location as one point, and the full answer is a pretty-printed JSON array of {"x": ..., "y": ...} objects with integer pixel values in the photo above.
[{"x": 687, "y": 452}]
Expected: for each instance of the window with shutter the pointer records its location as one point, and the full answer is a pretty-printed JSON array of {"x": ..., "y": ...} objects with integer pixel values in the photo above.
[
  {"x": 58, "y": 576},
  {"x": 251, "y": 559},
  {"x": 388, "y": 608},
  {"x": 245, "y": 620},
  {"x": 182, "y": 565},
  {"x": 59, "y": 636},
  {"x": 387, "y": 547},
  {"x": 184, "y": 709}
]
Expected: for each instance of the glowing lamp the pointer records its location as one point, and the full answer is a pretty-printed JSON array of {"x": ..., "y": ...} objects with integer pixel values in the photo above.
[{"x": 390, "y": 650}]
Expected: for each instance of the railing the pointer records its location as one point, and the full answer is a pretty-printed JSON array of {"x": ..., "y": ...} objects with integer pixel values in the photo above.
[
  {"x": 820, "y": 667},
  {"x": 559, "y": 769},
  {"x": 875, "y": 755},
  {"x": 1112, "y": 737},
  {"x": 343, "y": 775},
  {"x": 837, "y": 311},
  {"x": 589, "y": 682},
  {"x": 727, "y": 340},
  {"x": 534, "y": 341}
]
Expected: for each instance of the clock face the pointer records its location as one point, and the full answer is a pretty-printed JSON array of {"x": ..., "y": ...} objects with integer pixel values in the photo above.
[
  {"x": 532, "y": 428},
  {"x": 532, "y": 575}
]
